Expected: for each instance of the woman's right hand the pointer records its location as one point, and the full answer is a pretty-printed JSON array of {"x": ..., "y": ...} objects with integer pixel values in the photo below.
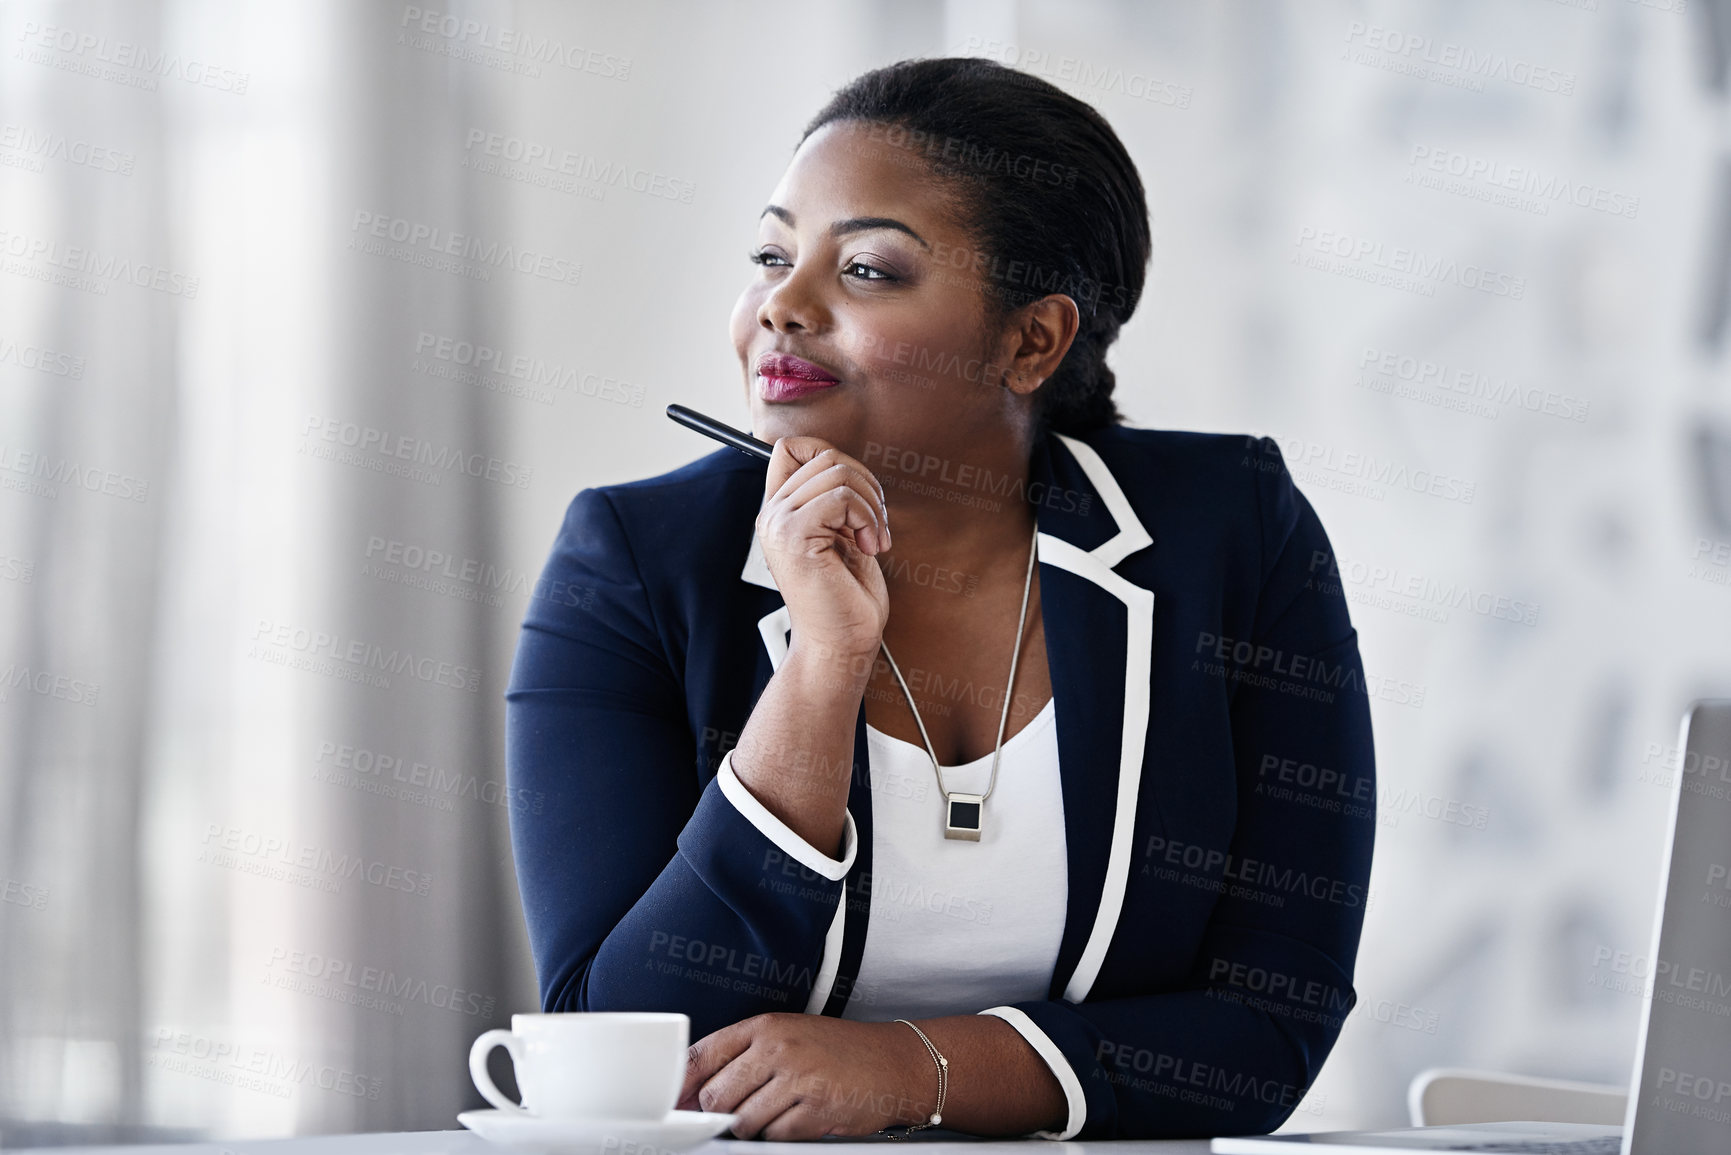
[{"x": 822, "y": 525}]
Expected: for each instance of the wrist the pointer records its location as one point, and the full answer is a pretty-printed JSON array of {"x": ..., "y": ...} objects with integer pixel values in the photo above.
[
  {"x": 917, "y": 1089},
  {"x": 843, "y": 668}
]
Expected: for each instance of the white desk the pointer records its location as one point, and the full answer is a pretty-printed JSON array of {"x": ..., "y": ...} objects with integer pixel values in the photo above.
[{"x": 466, "y": 1143}]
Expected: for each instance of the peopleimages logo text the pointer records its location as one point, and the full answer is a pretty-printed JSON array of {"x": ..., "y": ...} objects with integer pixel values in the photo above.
[
  {"x": 39, "y": 146},
  {"x": 101, "y": 266},
  {"x": 87, "y": 46},
  {"x": 580, "y": 166},
  {"x": 470, "y": 33},
  {"x": 1423, "y": 267},
  {"x": 448, "y": 458},
  {"x": 1303, "y": 457},
  {"x": 287, "y": 853},
  {"x": 442, "y": 242},
  {"x": 58, "y": 471},
  {"x": 41, "y": 360},
  {"x": 1527, "y": 180},
  {"x": 1472, "y": 384},
  {"x": 363, "y": 655},
  {"x": 1471, "y": 62}
]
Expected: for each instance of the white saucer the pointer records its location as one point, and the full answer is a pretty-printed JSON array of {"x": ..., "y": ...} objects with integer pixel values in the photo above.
[{"x": 676, "y": 1131}]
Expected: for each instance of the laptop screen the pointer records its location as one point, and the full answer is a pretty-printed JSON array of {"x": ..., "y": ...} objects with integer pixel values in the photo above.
[{"x": 1680, "y": 1099}]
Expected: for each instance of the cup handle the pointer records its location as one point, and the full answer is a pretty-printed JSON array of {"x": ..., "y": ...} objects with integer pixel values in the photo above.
[{"x": 478, "y": 1053}]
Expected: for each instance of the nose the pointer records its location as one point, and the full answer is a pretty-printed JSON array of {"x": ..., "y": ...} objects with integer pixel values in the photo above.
[{"x": 793, "y": 305}]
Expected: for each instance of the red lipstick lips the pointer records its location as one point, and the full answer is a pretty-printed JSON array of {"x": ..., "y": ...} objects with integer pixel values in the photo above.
[{"x": 784, "y": 377}]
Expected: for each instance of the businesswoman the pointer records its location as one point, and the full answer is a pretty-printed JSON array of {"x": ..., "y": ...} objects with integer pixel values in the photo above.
[{"x": 978, "y": 762}]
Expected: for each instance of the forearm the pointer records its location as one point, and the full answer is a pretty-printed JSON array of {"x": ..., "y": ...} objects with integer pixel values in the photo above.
[
  {"x": 795, "y": 753},
  {"x": 998, "y": 1084},
  {"x": 732, "y": 925},
  {"x": 718, "y": 958}
]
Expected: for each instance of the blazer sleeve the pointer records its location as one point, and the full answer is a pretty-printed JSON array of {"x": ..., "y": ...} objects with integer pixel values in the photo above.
[
  {"x": 1234, "y": 1050},
  {"x": 643, "y": 888}
]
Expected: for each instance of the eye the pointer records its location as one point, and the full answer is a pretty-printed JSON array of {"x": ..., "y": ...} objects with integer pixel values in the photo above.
[
  {"x": 866, "y": 272},
  {"x": 766, "y": 259}
]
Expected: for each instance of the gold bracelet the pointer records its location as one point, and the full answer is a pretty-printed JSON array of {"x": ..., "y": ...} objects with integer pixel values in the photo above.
[{"x": 943, "y": 1088}]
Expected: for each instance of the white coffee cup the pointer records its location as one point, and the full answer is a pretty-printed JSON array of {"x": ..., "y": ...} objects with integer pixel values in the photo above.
[{"x": 589, "y": 1064}]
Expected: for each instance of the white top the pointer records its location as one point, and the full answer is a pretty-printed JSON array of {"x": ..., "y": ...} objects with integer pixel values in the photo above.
[{"x": 957, "y": 927}]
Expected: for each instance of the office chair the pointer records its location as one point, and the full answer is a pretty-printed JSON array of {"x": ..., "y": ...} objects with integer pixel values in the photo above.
[{"x": 1444, "y": 1095}]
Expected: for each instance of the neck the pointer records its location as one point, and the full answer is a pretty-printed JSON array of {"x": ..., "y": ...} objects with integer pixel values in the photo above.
[{"x": 974, "y": 522}]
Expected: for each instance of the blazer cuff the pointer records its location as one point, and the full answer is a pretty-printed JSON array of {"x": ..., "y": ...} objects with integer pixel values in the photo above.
[
  {"x": 1060, "y": 1067},
  {"x": 781, "y": 834}
]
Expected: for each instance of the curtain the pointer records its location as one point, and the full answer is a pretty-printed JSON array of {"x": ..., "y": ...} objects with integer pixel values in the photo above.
[{"x": 253, "y": 791}]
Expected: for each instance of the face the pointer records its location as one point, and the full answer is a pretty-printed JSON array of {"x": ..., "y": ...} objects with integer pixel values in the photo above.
[{"x": 863, "y": 322}]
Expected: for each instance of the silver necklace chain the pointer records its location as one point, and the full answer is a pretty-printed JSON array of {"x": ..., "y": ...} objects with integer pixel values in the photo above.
[{"x": 1004, "y": 717}]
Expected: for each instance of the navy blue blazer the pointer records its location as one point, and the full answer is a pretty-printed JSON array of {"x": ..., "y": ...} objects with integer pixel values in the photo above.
[{"x": 1215, "y": 752}]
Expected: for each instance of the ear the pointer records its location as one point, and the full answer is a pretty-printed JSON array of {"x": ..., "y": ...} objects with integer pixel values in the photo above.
[{"x": 1037, "y": 337}]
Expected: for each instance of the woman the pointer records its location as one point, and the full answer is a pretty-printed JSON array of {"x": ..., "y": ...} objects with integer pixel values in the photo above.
[{"x": 1084, "y": 881}]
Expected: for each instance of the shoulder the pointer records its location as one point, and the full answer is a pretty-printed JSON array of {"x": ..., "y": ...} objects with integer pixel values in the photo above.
[
  {"x": 718, "y": 478},
  {"x": 1175, "y": 455},
  {"x": 700, "y": 512},
  {"x": 1226, "y": 472},
  {"x": 1195, "y": 486}
]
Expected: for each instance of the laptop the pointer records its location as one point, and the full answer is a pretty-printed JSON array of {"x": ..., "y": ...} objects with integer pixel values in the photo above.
[{"x": 1680, "y": 1093}]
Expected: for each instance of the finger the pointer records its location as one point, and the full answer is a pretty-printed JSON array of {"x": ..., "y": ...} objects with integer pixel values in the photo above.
[
  {"x": 840, "y": 480},
  {"x": 869, "y": 571},
  {"x": 711, "y": 1053},
  {"x": 803, "y": 1120},
  {"x": 802, "y": 447},
  {"x": 840, "y": 511},
  {"x": 791, "y": 454},
  {"x": 813, "y": 455},
  {"x": 822, "y": 512},
  {"x": 762, "y": 1107},
  {"x": 840, "y": 470},
  {"x": 734, "y": 1084}
]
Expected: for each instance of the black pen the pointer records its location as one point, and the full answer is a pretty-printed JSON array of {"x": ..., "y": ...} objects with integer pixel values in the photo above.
[{"x": 726, "y": 434}]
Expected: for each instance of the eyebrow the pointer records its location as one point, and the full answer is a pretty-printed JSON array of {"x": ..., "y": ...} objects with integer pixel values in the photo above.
[{"x": 851, "y": 225}]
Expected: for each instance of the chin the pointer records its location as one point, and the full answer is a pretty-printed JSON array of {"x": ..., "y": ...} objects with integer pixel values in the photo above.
[
  {"x": 808, "y": 417},
  {"x": 774, "y": 424}
]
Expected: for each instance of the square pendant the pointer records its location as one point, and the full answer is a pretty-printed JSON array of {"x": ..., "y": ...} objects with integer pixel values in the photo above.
[{"x": 963, "y": 817}]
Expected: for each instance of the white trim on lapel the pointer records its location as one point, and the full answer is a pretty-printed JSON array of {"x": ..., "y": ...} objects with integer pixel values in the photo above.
[
  {"x": 1130, "y": 536},
  {"x": 1096, "y": 565},
  {"x": 1138, "y": 649},
  {"x": 756, "y": 570},
  {"x": 775, "y": 627}
]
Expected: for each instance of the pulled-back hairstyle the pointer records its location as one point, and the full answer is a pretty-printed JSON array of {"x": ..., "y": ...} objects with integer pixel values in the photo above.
[{"x": 1052, "y": 197}]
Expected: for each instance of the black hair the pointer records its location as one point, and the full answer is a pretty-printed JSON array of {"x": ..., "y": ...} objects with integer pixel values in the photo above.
[{"x": 1049, "y": 191}]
